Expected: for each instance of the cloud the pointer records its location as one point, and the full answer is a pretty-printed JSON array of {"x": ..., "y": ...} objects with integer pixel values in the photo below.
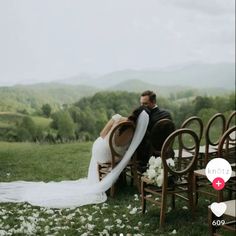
[{"x": 214, "y": 7}]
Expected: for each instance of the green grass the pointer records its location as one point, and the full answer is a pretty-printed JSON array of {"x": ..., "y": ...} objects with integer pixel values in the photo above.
[
  {"x": 34, "y": 162},
  {"x": 41, "y": 121}
]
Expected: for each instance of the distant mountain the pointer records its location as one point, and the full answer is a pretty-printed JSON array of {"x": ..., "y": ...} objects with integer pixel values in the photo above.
[
  {"x": 196, "y": 76},
  {"x": 192, "y": 80},
  {"x": 165, "y": 91},
  {"x": 31, "y": 97}
]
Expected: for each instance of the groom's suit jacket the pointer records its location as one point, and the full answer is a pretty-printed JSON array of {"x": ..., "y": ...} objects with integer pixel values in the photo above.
[{"x": 143, "y": 152}]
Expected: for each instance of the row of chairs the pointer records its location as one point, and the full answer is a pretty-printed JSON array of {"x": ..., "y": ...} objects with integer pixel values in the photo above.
[{"x": 190, "y": 159}]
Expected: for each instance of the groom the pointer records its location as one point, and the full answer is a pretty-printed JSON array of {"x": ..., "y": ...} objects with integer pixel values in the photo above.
[{"x": 148, "y": 99}]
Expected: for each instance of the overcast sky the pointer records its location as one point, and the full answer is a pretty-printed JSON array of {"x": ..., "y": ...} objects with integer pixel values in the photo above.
[{"x": 46, "y": 40}]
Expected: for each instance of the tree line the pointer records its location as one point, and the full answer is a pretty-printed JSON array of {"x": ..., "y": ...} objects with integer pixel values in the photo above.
[{"x": 84, "y": 119}]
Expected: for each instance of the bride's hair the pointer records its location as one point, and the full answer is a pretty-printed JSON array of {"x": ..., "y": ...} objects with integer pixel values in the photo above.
[
  {"x": 133, "y": 117},
  {"x": 135, "y": 114}
]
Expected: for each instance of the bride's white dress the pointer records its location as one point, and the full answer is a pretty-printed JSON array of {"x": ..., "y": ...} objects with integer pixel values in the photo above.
[{"x": 68, "y": 194}]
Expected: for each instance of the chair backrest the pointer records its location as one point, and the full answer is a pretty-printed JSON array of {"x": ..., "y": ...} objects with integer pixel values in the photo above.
[
  {"x": 194, "y": 123},
  {"x": 159, "y": 132},
  {"x": 182, "y": 165},
  {"x": 231, "y": 121},
  {"x": 120, "y": 139},
  {"x": 227, "y": 143},
  {"x": 215, "y": 129}
]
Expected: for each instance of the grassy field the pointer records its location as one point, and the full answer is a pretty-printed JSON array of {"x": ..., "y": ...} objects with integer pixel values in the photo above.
[{"x": 118, "y": 216}]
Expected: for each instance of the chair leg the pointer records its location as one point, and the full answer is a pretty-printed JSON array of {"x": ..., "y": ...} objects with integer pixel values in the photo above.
[
  {"x": 112, "y": 191},
  {"x": 163, "y": 208},
  {"x": 190, "y": 197},
  {"x": 195, "y": 191},
  {"x": 143, "y": 194},
  {"x": 173, "y": 201}
]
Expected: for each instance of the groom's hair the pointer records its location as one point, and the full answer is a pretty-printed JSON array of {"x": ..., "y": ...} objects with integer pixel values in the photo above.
[{"x": 152, "y": 96}]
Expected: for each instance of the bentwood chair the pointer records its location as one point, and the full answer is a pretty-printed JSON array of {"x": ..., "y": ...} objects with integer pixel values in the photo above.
[
  {"x": 158, "y": 134},
  {"x": 160, "y": 131},
  {"x": 177, "y": 179},
  {"x": 213, "y": 132},
  {"x": 227, "y": 150},
  {"x": 201, "y": 183},
  {"x": 231, "y": 121},
  {"x": 194, "y": 123},
  {"x": 119, "y": 141}
]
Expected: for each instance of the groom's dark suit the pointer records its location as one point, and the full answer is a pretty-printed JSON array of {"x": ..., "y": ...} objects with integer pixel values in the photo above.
[
  {"x": 143, "y": 151},
  {"x": 156, "y": 115}
]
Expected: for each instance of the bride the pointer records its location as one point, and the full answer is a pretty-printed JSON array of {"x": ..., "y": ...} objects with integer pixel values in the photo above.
[{"x": 68, "y": 194}]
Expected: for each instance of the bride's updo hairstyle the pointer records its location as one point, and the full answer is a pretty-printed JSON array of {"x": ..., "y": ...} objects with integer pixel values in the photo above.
[
  {"x": 133, "y": 118},
  {"x": 126, "y": 131},
  {"x": 135, "y": 114}
]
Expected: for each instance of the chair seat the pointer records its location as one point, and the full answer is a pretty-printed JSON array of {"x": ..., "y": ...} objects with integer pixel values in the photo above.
[
  {"x": 184, "y": 153},
  {"x": 202, "y": 149}
]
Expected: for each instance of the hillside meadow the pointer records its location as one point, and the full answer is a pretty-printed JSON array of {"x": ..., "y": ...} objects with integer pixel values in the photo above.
[{"x": 120, "y": 215}]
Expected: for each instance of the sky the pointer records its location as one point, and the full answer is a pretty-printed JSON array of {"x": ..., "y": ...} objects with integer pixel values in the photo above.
[{"x": 48, "y": 40}]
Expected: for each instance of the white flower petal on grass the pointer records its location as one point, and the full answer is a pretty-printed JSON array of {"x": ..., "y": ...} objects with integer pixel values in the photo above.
[
  {"x": 106, "y": 220},
  {"x": 90, "y": 218},
  {"x": 105, "y": 232},
  {"x": 133, "y": 211},
  {"x": 90, "y": 226},
  {"x": 121, "y": 226},
  {"x": 146, "y": 225},
  {"x": 129, "y": 206},
  {"x": 84, "y": 234},
  {"x": 109, "y": 227},
  {"x": 185, "y": 207},
  {"x": 174, "y": 231},
  {"x": 82, "y": 219},
  {"x": 118, "y": 221}
]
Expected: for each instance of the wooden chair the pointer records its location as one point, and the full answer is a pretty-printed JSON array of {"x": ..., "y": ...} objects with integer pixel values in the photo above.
[
  {"x": 200, "y": 179},
  {"x": 194, "y": 123},
  {"x": 227, "y": 150},
  {"x": 119, "y": 141},
  {"x": 213, "y": 132},
  {"x": 229, "y": 217},
  {"x": 177, "y": 181},
  {"x": 231, "y": 121},
  {"x": 160, "y": 131},
  {"x": 158, "y": 134}
]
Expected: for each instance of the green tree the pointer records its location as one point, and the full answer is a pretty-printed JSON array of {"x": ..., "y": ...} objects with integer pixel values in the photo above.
[
  {"x": 46, "y": 109},
  {"x": 63, "y": 122}
]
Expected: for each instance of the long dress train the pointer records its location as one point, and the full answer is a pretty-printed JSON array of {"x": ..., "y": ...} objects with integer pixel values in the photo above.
[{"x": 68, "y": 194}]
